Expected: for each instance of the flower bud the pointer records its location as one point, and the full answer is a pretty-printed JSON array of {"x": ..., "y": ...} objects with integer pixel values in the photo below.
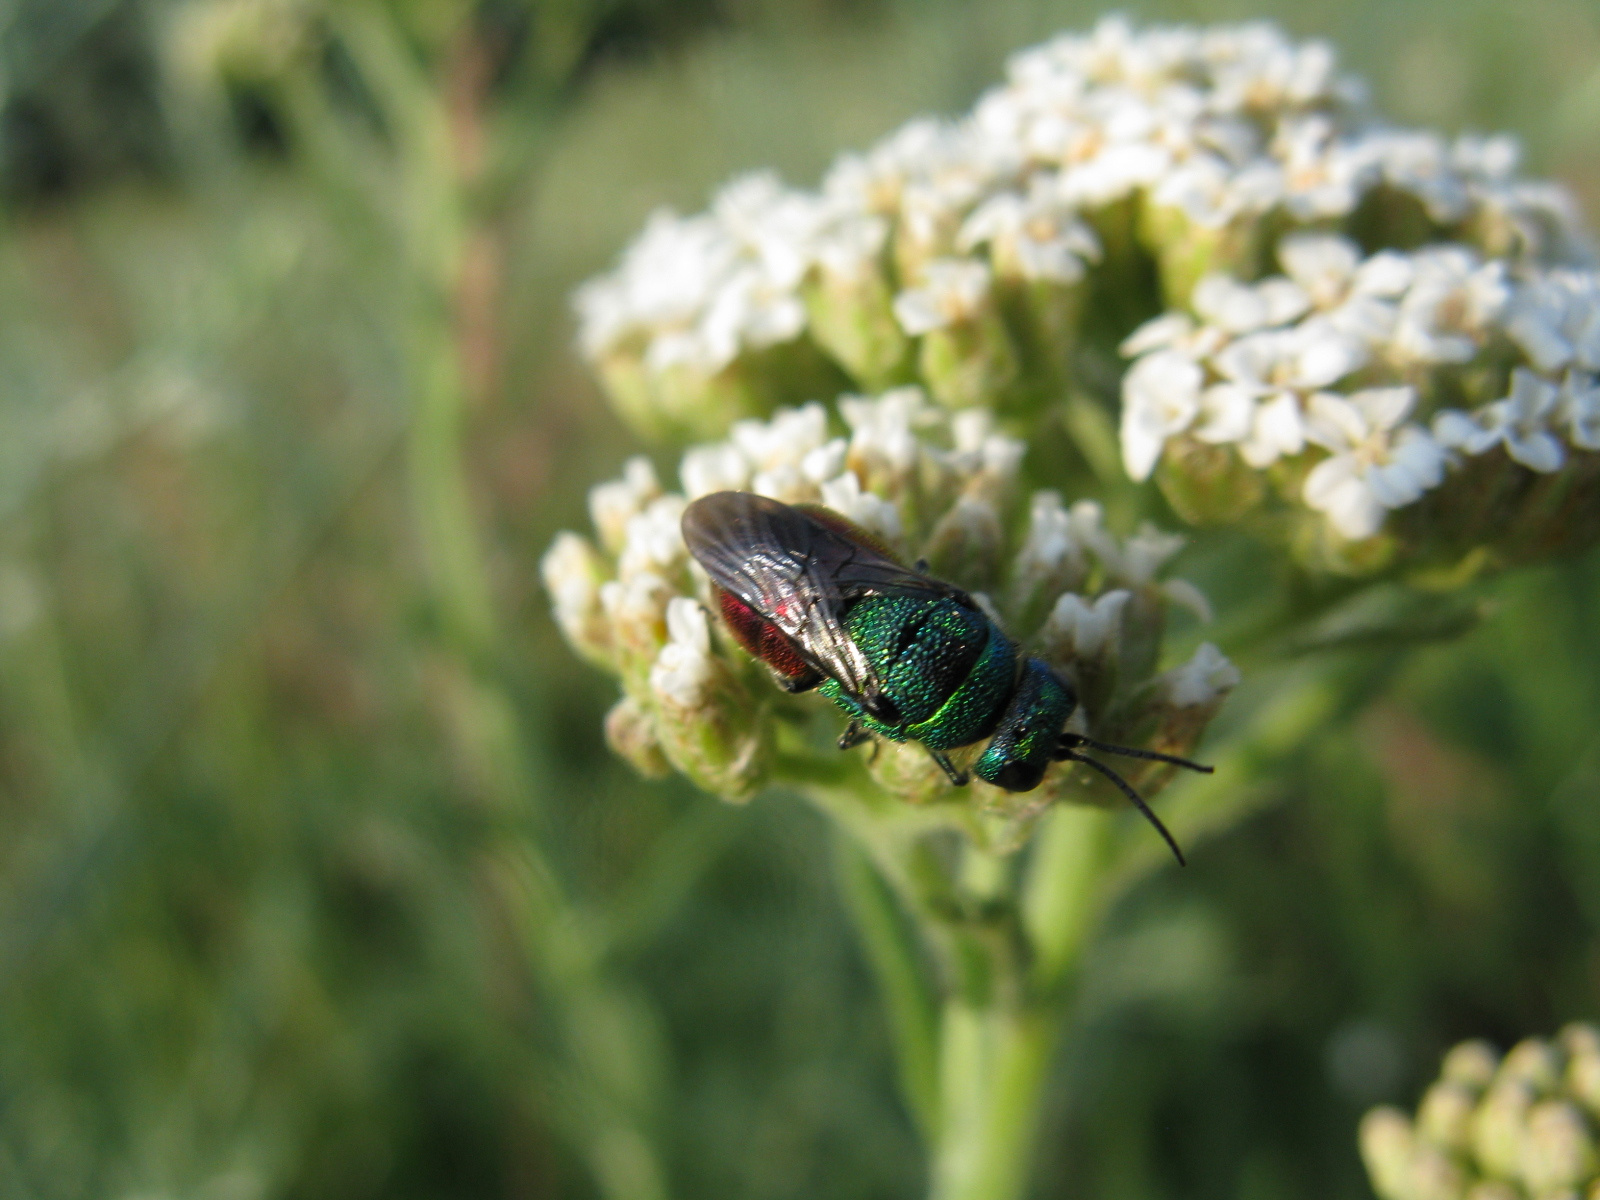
[
  {"x": 1434, "y": 1175},
  {"x": 1083, "y": 640},
  {"x": 905, "y": 770},
  {"x": 873, "y": 513},
  {"x": 630, "y": 386},
  {"x": 1445, "y": 1116},
  {"x": 1187, "y": 697},
  {"x": 574, "y": 573},
  {"x": 1535, "y": 1062},
  {"x": 707, "y": 724},
  {"x": 966, "y": 356},
  {"x": 612, "y": 505},
  {"x": 1558, "y": 1152},
  {"x": 687, "y": 398},
  {"x": 1583, "y": 1078},
  {"x": 652, "y": 542},
  {"x": 1580, "y": 1037},
  {"x": 1471, "y": 1064},
  {"x": 850, "y": 304},
  {"x": 630, "y": 732},
  {"x": 1039, "y": 251},
  {"x": 966, "y": 544},
  {"x": 1187, "y": 250},
  {"x": 1207, "y": 484},
  {"x": 1050, "y": 562},
  {"x": 1387, "y": 1146},
  {"x": 886, "y": 453},
  {"x": 1497, "y": 1126},
  {"x": 720, "y": 467},
  {"x": 636, "y": 610}
]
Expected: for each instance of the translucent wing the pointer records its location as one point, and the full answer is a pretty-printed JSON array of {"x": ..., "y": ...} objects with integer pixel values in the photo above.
[{"x": 801, "y": 569}]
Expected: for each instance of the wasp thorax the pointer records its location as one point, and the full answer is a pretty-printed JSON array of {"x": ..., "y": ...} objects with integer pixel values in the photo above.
[{"x": 1024, "y": 744}]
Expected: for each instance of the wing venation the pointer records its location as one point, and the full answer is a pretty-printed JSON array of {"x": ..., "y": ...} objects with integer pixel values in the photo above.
[{"x": 801, "y": 573}]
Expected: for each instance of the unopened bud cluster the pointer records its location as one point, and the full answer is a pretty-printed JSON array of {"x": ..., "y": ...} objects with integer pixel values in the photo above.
[
  {"x": 1522, "y": 1127},
  {"x": 933, "y": 485},
  {"x": 1376, "y": 345}
]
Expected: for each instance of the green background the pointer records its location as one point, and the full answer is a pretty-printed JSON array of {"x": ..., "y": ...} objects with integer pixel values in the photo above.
[{"x": 256, "y": 935}]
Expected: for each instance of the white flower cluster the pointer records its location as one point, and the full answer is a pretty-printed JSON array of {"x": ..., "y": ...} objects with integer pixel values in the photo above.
[
  {"x": 1096, "y": 590},
  {"x": 1338, "y": 357},
  {"x": 902, "y": 454},
  {"x": 929, "y": 482},
  {"x": 698, "y": 289},
  {"x": 1210, "y": 127}
]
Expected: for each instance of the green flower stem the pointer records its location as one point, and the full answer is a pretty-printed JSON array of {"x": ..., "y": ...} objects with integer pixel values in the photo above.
[
  {"x": 977, "y": 959},
  {"x": 897, "y": 960},
  {"x": 974, "y": 1043},
  {"x": 1061, "y": 899},
  {"x": 993, "y": 1063}
]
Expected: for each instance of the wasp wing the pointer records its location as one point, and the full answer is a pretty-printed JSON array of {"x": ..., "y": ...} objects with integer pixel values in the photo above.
[{"x": 800, "y": 571}]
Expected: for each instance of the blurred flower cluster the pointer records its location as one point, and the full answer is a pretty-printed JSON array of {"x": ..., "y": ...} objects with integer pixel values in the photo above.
[
  {"x": 1380, "y": 343},
  {"x": 933, "y": 485},
  {"x": 1492, "y": 1128}
]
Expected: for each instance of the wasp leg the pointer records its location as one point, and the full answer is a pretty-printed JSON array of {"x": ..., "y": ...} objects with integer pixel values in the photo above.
[
  {"x": 852, "y": 736},
  {"x": 957, "y": 778},
  {"x": 921, "y": 566},
  {"x": 794, "y": 684}
]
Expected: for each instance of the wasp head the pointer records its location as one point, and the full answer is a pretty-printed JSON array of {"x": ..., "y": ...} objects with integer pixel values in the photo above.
[{"x": 1025, "y": 742}]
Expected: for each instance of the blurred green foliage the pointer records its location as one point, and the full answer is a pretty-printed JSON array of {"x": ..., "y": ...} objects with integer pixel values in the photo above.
[{"x": 273, "y": 921}]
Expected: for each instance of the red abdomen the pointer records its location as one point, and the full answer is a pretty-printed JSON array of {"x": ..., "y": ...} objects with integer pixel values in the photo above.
[{"x": 761, "y": 638}]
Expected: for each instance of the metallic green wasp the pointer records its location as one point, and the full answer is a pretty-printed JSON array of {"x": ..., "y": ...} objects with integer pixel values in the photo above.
[{"x": 906, "y": 656}]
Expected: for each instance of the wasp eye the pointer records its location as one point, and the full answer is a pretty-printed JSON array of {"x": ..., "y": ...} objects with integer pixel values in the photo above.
[{"x": 1018, "y": 776}]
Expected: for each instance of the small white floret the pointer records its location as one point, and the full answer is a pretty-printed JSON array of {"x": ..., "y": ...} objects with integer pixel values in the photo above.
[
  {"x": 1202, "y": 680},
  {"x": 1376, "y": 463},
  {"x": 684, "y": 668},
  {"x": 1079, "y": 628},
  {"x": 952, "y": 291},
  {"x": 612, "y": 505},
  {"x": 1160, "y": 399}
]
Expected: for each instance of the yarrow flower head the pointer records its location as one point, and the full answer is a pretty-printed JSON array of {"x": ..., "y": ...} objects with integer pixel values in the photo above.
[
  {"x": 1518, "y": 1127},
  {"x": 932, "y": 486},
  {"x": 1267, "y": 253}
]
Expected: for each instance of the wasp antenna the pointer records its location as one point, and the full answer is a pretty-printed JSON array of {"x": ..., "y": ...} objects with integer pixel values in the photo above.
[
  {"x": 1069, "y": 741},
  {"x": 1138, "y": 801}
]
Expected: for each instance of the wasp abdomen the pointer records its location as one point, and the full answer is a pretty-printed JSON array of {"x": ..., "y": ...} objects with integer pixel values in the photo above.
[{"x": 763, "y": 640}]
